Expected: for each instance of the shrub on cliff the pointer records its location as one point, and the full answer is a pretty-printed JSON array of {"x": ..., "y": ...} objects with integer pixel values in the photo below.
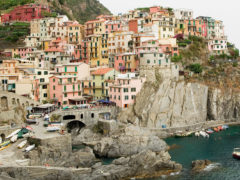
[{"x": 196, "y": 68}]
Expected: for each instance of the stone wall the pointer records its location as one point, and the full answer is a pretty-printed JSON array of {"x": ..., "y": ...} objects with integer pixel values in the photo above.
[{"x": 13, "y": 108}]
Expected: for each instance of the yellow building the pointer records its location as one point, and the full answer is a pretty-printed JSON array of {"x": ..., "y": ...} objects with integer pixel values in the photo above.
[
  {"x": 75, "y": 33},
  {"x": 98, "y": 50},
  {"x": 100, "y": 80}
]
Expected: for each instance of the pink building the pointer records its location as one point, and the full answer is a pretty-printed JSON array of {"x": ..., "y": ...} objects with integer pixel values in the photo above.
[
  {"x": 125, "y": 88},
  {"x": 126, "y": 62},
  {"x": 113, "y": 26},
  {"x": 65, "y": 90},
  {"x": 22, "y": 51}
]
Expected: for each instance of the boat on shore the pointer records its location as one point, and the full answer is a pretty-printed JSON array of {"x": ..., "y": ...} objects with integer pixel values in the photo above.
[
  {"x": 22, "y": 144},
  {"x": 4, "y": 144},
  {"x": 224, "y": 127},
  {"x": 52, "y": 128},
  {"x": 197, "y": 134},
  {"x": 29, "y": 148},
  {"x": 14, "y": 138},
  {"x": 13, "y": 133},
  {"x": 236, "y": 153}
]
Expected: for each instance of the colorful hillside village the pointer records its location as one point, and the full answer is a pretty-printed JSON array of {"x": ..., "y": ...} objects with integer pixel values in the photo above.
[{"x": 107, "y": 59}]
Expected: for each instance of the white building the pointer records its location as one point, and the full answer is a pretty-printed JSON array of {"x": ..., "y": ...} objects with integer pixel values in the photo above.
[{"x": 183, "y": 14}]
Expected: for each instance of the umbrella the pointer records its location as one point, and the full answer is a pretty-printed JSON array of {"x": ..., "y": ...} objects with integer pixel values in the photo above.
[{"x": 65, "y": 108}]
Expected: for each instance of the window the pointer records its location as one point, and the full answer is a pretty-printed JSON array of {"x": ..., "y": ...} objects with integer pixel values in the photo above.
[
  {"x": 79, "y": 93},
  {"x": 39, "y": 73},
  {"x": 114, "y": 97},
  {"x": 65, "y": 94},
  {"x": 159, "y": 62},
  {"x": 102, "y": 77},
  {"x": 54, "y": 95},
  {"x": 53, "y": 87},
  {"x": 65, "y": 88},
  {"x": 133, "y": 97},
  {"x": 148, "y": 61},
  {"x": 166, "y": 60},
  {"x": 42, "y": 80},
  {"x": 141, "y": 54},
  {"x": 126, "y": 97},
  {"x": 93, "y": 76},
  {"x": 125, "y": 89},
  {"x": 92, "y": 115},
  {"x": 64, "y": 102},
  {"x": 133, "y": 89},
  {"x": 119, "y": 89},
  {"x": 53, "y": 80},
  {"x": 45, "y": 95},
  {"x": 73, "y": 87},
  {"x": 65, "y": 68},
  {"x": 44, "y": 87}
]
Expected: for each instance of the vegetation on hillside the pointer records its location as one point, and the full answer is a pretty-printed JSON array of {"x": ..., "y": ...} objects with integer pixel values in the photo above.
[
  {"x": 7, "y": 4},
  {"x": 81, "y": 10},
  {"x": 13, "y": 34}
]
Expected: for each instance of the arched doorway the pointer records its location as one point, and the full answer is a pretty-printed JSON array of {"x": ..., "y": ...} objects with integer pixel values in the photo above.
[
  {"x": 4, "y": 103},
  {"x": 3, "y": 137}
]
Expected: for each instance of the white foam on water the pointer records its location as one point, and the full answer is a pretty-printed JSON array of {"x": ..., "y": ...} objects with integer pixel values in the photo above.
[{"x": 210, "y": 167}]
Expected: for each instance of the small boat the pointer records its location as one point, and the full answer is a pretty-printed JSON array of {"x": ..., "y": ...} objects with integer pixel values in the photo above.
[
  {"x": 29, "y": 148},
  {"x": 204, "y": 134},
  {"x": 31, "y": 121},
  {"x": 236, "y": 153},
  {"x": 4, "y": 143},
  {"x": 22, "y": 144},
  {"x": 216, "y": 129},
  {"x": 197, "y": 134},
  {"x": 14, "y": 138},
  {"x": 52, "y": 128},
  {"x": 220, "y": 128},
  {"x": 209, "y": 131},
  {"x": 26, "y": 135},
  {"x": 13, "y": 133},
  {"x": 2, "y": 148},
  {"x": 224, "y": 127}
]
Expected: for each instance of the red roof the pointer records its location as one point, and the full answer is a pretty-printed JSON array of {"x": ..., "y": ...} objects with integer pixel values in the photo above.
[{"x": 102, "y": 71}]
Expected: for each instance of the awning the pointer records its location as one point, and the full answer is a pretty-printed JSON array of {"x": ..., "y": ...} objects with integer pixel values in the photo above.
[{"x": 44, "y": 106}]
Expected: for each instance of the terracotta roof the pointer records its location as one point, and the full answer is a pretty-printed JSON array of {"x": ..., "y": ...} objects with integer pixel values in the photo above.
[{"x": 102, "y": 71}]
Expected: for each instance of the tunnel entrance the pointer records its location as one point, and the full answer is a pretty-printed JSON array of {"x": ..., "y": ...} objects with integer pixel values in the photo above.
[{"x": 74, "y": 127}]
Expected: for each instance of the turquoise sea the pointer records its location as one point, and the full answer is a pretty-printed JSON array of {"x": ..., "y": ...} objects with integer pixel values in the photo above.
[{"x": 218, "y": 148}]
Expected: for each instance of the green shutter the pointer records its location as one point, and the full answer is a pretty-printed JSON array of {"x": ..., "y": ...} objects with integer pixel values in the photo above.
[
  {"x": 65, "y": 68},
  {"x": 75, "y": 68}
]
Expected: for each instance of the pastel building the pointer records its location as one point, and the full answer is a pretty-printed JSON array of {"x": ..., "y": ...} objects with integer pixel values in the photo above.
[
  {"x": 79, "y": 70},
  {"x": 75, "y": 33},
  {"x": 124, "y": 89},
  {"x": 218, "y": 46},
  {"x": 125, "y": 62},
  {"x": 41, "y": 85},
  {"x": 183, "y": 14},
  {"x": 100, "y": 83},
  {"x": 65, "y": 90}
]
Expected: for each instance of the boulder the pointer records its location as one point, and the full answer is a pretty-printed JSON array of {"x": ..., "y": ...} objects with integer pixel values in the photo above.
[
  {"x": 200, "y": 165},
  {"x": 108, "y": 126}
]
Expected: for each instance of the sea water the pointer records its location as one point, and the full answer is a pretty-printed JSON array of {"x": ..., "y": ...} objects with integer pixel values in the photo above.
[{"x": 218, "y": 149}]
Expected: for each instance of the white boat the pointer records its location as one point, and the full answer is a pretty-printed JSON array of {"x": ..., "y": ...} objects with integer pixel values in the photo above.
[
  {"x": 0, "y": 140},
  {"x": 204, "y": 134},
  {"x": 53, "y": 128},
  {"x": 22, "y": 144},
  {"x": 13, "y": 133},
  {"x": 197, "y": 134},
  {"x": 14, "y": 138},
  {"x": 29, "y": 148},
  {"x": 26, "y": 135}
]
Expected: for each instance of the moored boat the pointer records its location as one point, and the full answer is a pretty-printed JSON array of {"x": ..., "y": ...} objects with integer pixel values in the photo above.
[
  {"x": 216, "y": 129},
  {"x": 220, "y": 128},
  {"x": 224, "y": 127},
  {"x": 22, "y": 144},
  {"x": 52, "y": 128},
  {"x": 197, "y": 134},
  {"x": 236, "y": 153},
  {"x": 209, "y": 131},
  {"x": 204, "y": 134}
]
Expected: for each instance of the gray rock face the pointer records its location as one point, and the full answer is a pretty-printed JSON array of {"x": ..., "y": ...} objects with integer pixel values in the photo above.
[
  {"x": 172, "y": 104},
  {"x": 223, "y": 105},
  {"x": 133, "y": 141}
]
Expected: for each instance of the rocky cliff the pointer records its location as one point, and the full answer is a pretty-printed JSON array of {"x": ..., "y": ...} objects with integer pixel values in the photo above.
[
  {"x": 170, "y": 103},
  {"x": 176, "y": 104}
]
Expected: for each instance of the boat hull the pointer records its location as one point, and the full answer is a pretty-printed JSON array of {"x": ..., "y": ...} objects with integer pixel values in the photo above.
[{"x": 235, "y": 156}]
